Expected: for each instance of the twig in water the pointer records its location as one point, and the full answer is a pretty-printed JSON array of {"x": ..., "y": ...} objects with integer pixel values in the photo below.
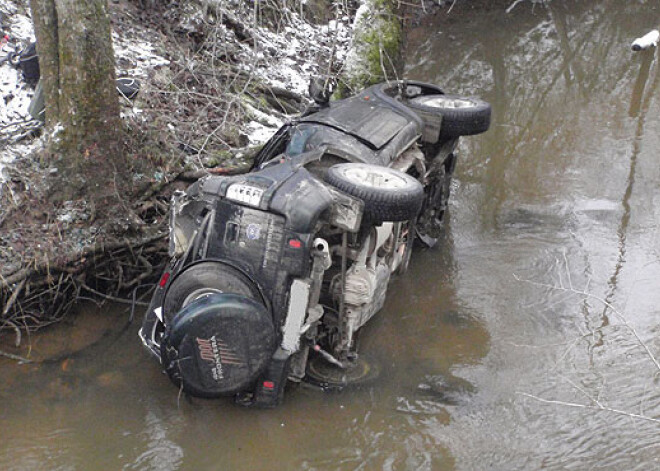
[
  {"x": 13, "y": 325},
  {"x": 512, "y": 6},
  {"x": 618, "y": 313},
  {"x": 598, "y": 406},
  {"x": 18, "y": 358}
]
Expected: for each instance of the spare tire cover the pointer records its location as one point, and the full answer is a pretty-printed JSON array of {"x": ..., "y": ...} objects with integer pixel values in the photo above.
[{"x": 218, "y": 345}]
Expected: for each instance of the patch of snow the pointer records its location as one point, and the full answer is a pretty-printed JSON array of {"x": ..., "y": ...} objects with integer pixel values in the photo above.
[
  {"x": 289, "y": 58},
  {"x": 258, "y": 133},
  {"x": 58, "y": 128},
  {"x": 262, "y": 127},
  {"x": 15, "y": 95},
  {"x": 136, "y": 58},
  {"x": 15, "y": 151},
  {"x": 21, "y": 28}
]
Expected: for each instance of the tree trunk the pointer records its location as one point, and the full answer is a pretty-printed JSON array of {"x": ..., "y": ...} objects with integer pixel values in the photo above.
[{"x": 82, "y": 107}]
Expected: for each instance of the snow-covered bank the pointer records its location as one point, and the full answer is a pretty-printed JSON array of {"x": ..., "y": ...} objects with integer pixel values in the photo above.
[
  {"x": 377, "y": 39},
  {"x": 283, "y": 54},
  {"x": 134, "y": 59},
  {"x": 15, "y": 28}
]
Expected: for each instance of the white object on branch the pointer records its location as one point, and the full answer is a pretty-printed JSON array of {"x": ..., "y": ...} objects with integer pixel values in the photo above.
[{"x": 647, "y": 41}]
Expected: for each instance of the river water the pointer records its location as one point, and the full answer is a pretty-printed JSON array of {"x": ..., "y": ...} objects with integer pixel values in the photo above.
[{"x": 526, "y": 340}]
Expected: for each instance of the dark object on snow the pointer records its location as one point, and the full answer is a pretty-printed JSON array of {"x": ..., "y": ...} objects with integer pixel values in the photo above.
[
  {"x": 28, "y": 62},
  {"x": 128, "y": 87},
  {"x": 274, "y": 272},
  {"x": 320, "y": 90}
]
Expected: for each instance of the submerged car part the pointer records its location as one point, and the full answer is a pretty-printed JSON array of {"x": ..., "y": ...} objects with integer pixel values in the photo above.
[{"x": 331, "y": 377}]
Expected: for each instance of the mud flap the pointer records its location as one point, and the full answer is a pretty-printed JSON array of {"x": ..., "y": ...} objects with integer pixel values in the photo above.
[{"x": 270, "y": 387}]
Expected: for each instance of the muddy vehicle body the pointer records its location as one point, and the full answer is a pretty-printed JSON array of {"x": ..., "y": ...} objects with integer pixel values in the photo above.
[{"x": 274, "y": 272}]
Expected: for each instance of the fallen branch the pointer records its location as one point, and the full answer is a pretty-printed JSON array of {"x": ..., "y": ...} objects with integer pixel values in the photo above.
[
  {"x": 512, "y": 6},
  {"x": 17, "y": 330},
  {"x": 279, "y": 92}
]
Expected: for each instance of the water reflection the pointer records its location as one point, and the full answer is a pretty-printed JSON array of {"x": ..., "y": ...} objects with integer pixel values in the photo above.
[
  {"x": 161, "y": 452},
  {"x": 558, "y": 199}
]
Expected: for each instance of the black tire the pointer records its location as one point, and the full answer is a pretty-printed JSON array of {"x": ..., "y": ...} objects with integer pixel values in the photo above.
[
  {"x": 461, "y": 116},
  {"x": 127, "y": 87},
  {"x": 388, "y": 194},
  {"x": 202, "y": 279}
]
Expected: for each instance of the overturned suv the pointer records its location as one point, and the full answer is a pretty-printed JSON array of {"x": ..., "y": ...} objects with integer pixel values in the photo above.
[{"x": 274, "y": 272}]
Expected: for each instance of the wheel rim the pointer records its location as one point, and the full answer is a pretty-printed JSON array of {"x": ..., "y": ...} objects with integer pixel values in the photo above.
[
  {"x": 444, "y": 101},
  {"x": 199, "y": 293},
  {"x": 374, "y": 178},
  {"x": 323, "y": 374}
]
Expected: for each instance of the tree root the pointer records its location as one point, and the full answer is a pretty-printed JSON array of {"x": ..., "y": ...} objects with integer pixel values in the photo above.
[{"x": 43, "y": 292}]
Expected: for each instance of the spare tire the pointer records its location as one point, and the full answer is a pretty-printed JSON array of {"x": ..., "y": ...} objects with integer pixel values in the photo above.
[
  {"x": 460, "y": 116},
  {"x": 218, "y": 345},
  {"x": 203, "y": 279},
  {"x": 388, "y": 194}
]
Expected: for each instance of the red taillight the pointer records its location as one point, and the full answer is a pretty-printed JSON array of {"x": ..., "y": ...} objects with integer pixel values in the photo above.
[
  {"x": 269, "y": 384},
  {"x": 163, "y": 279},
  {"x": 295, "y": 244}
]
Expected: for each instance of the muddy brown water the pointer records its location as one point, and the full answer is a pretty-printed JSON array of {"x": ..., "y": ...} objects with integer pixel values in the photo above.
[{"x": 490, "y": 356}]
